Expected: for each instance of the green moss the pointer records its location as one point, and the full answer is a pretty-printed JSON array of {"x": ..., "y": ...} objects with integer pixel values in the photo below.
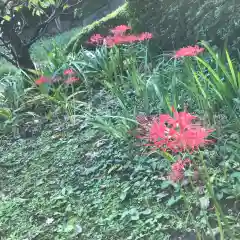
[{"x": 101, "y": 26}]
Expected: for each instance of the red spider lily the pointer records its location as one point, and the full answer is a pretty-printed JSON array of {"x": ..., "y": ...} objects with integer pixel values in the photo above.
[
  {"x": 177, "y": 170},
  {"x": 118, "y": 37},
  {"x": 68, "y": 72},
  {"x": 144, "y": 36},
  {"x": 176, "y": 133},
  {"x": 189, "y": 51},
  {"x": 72, "y": 80},
  {"x": 96, "y": 39},
  {"x": 176, "y": 176},
  {"x": 120, "y": 29},
  {"x": 123, "y": 39},
  {"x": 128, "y": 39},
  {"x": 42, "y": 80},
  {"x": 110, "y": 41}
]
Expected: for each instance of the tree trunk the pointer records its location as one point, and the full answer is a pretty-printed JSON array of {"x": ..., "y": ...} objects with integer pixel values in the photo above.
[
  {"x": 24, "y": 59},
  {"x": 19, "y": 51}
]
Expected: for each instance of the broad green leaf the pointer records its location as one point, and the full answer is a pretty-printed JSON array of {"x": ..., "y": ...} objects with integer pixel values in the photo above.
[
  {"x": 165, "y": 184},
  {"x": 167, "y": 156},
  {"x": 162, "y": 195},
  {"x": 134, "y": 214},
  {"x": 124, "y": 194},
  {"x": 17, "y": 8},
  {"x": 204, "y": 202},
  {"x": 236, "y": 175},
  {"x": 38, "y": 13},
  {"x": 7, "y": 18},
  {"x": 6, "y": 113},
  {"x": 65, "y": 6},
  {"x": 173, "y": 200},
  {"x": 147, "y": 211}
]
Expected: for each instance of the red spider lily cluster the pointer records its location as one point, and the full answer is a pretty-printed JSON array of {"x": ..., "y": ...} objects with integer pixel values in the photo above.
[
  {"x": 189, "y": 51},
  {"x": 175, "y": 134},
  {"x": 69, "y": 73},
  {"x": 119, "y": 37}
]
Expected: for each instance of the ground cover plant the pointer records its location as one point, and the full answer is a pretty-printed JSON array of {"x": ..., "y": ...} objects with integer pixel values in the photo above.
[{"x": 116, "y": 143}]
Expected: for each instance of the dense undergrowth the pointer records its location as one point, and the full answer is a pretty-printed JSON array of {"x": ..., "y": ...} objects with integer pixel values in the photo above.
[{"x": 72, "y": 166}]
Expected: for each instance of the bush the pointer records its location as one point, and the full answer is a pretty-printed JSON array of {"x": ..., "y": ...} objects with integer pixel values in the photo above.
[
  {"x": 101, "y": 26},
  {"x": 176, "y": 23}
]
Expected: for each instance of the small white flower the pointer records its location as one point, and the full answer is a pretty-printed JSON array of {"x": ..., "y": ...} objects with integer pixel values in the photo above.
[{"x": 49, "y": 221}]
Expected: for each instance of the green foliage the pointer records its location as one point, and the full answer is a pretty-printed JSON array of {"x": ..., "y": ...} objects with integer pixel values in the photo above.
[
  {"x": 12, "y": 87},
  {"x": 6, "y": 68},
  {"x": 178, "y": 23},
  {"x": 101, "y": 26},
  {"x": 215, "y": 81},
  {"x": 36, "y": 6},
  {"x": 41, "y": 49},
  {"x": 119, "y": 189},
  {"x": 81, "y": 175}
]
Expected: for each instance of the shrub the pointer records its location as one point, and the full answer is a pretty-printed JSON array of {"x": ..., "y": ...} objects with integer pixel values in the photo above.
[
  {"x": 118, "y": 17},
  {"x": 176, "y": 23}
]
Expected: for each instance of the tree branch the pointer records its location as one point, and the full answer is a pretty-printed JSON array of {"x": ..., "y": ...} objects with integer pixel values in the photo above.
[
  {"x": 4, "y": 43},
  {"x": 8, "y": 59},
  {"x": 41, "y": 28},
  {"x": 23, "y": 23},
  {"x": 75, "y": 4}
]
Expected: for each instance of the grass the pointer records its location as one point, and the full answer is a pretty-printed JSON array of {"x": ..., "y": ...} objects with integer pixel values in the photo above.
[
  {"x": 77, "y": 183},
  {"x": 80, "y": 187},
  {"x": 70, "y": 169}
]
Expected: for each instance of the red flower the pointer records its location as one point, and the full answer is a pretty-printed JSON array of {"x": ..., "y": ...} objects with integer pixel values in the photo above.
[
  {"x": 118, "y": 37},
  {"x": 144, "y": 36},
  {"x": 120, "y": 29},
  {"x": 177, "y": 172},
  {"x": 188, "y": 51},
  {"x": 42, "y": 80},
  {"x": 176, "y": 133},
  {"x": 68, "y": 72},
  {"x": 130, "y": 39},
  {"x": 96, "y": 39},
  {"x": 110, "y": 41},
  {"x": 176, "y": 176},
  {"x": 72, "y": 80}
]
